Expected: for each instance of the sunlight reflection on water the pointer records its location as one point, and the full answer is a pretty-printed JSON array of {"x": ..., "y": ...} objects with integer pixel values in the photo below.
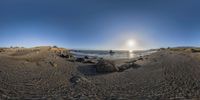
[
  {"x": 131, "y": 55},
  {"x": 107, "y": 55}
]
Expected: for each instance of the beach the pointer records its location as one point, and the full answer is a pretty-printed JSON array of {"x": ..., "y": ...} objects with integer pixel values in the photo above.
[{"x": 54, "y": 73}]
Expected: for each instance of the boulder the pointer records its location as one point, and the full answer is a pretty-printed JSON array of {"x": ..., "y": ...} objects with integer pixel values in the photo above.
[
  {"x": 77, "y": 79},
  {"x": 127, "y": 66},
  {"x": 161, "y": 49},
  {"x": 195, "y": 50},
  {"x": 140, "y": 58},
  {"x": 90, "y": 61},
  {"x": 124, "y": 67},
  {"x": 86, "y": 57},
  {"x": 65, "y": 55},
  {"x": 80, "y": 59},
  {"x": 105, "y": 66},
  {"x": 133, "y": 65}
]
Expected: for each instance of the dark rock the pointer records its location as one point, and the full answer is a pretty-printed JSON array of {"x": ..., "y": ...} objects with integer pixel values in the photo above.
[
  {"x": 127, "y": 66},
  {"x": 90, "y": 61},
  {"x": 55, "y": 46},
  {"x": 65, "y": 55},
  {"x": 78, "y": 79},
  {"x": 104, "y": 66},
  {"x": 71, "y": 60},
  {"x": 134, "y": 60},
  {"x": 140, "y": 58},
  {"x": 111, "y": 52},
  {"x": 80, "y": 59},
  {"x": 86, "y": 57},
  {"x": 195, "y": 50},
  {"x": 75, "y": 79},
  {"x": 124, "y": 67},
  {"x": 161, "y": 49},
  {"x": 133, "y": 65}
]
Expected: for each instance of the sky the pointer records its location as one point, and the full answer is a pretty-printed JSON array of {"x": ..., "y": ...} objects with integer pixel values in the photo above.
[{"x": 100, "y": 24}]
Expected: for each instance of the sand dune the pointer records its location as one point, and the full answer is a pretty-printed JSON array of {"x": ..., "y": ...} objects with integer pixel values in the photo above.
[{"x": 51, "y": 73}]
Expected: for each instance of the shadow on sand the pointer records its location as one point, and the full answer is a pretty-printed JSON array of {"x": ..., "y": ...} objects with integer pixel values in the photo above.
[{"x": 88, "y": 70}]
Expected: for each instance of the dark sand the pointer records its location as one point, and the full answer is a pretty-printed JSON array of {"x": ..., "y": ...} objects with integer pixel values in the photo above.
[{"x": 40, "y": 73}]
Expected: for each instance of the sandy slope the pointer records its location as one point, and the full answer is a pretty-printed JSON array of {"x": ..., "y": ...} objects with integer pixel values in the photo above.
[
  {"x": 166, "y": 74},
  {"x": 163, "y": 75},
  {"x": 32, "y": 75}
]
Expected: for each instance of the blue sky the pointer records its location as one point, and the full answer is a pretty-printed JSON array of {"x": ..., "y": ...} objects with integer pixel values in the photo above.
[{"x": 100, "y": 24}]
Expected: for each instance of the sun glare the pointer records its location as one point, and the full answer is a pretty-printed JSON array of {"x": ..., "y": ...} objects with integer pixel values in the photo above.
[
  {"x": 130, "y": 45},
  {"x": 130, "y": 51}
]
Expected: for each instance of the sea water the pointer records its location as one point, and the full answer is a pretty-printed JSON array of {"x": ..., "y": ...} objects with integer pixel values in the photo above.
[{"x": 118, "y": 54}]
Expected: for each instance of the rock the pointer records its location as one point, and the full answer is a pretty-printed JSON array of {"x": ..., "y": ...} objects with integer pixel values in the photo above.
[
  {"x": 76, "y": 79},
  {"x": 134, "y": 60},
  {"x": 86, "y": 57},
  {"x": 91, "y": 61},
  {"x": 195, "y": 50},
  {"x": 71, "y": 59},
  {"x": 127, "y": 66},
  {"x": 54, "y": 46},
  {"x": 124, "y": 67},
  {"x": 65, "y": 55},
  {"x": 161, "y": 49},
  {"x": 140, "y": 58},
  {"x": 80, "y": 59},
  {"x": 104, "y": 66},
  {"x": 133, "y": 65}
]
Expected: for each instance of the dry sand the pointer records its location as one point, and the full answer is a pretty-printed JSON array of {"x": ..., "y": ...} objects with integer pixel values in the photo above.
[{"x": 41, "y": 73}]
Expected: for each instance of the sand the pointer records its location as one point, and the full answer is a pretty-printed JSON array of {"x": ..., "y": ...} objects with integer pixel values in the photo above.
[{"x": 41, "y": 73}]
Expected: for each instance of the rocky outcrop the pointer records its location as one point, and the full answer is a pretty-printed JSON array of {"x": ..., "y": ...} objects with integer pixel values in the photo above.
[
  {"x": 105, "y": 66},
  {"x": 127, "y": 66},
  {"x": 195, "y": 50},
  {"x": 90, "y": 61},
  {"x": 80, "y": 59},
  {"x": 77, "y": 79},
  {"x": 86, "y": 57}
]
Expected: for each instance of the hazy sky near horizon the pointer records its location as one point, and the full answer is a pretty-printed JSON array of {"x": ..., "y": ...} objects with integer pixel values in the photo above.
[{"x": 100, "y": 24}]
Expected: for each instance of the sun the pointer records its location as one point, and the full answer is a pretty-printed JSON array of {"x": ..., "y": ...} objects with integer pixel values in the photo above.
[
  {"x": 130, "y": 51},
  {"x": 131, "y": 44}
]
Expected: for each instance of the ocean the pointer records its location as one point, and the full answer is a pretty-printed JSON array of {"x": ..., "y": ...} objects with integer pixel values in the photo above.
[{"x": 116, "y": 54}]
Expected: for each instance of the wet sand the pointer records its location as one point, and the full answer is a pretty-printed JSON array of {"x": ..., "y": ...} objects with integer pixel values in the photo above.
[{"x": 43, "y": 73}]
